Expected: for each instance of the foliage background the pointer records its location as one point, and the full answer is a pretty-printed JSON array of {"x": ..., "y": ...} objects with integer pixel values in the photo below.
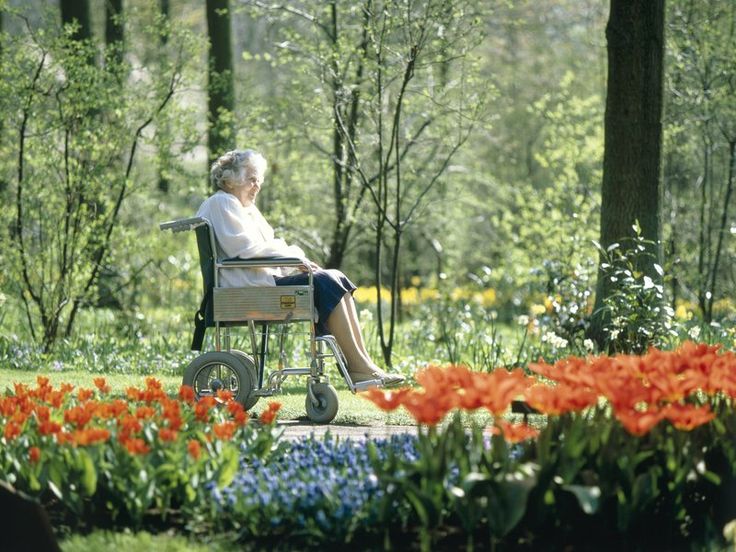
[{"x": 515, "y": 212}]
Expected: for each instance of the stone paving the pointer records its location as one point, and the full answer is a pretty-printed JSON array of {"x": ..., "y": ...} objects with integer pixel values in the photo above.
[{"x": 295, "y": 429}]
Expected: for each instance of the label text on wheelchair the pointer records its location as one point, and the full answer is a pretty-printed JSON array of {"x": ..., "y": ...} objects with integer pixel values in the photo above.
[{"x": 288, "y": 301}]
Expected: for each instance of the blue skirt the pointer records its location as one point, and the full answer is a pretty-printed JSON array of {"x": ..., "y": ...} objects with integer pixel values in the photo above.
[{"x": 330, "y": 286}]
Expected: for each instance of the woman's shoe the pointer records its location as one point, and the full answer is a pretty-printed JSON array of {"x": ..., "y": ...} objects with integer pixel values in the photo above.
[
  {"x": 379, "y": 377},
  {"x": 390, "y": 379},
  {"x": 363, "y": 377},
  {"x": 393, "y": 379}
]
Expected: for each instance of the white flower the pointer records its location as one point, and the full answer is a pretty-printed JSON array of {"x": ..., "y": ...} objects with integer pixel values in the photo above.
[
  {"x": 523, "y": 320},
  {"x": 366, "y": 315},
  {"x": 694, "y": 332},
  {"x": 589, "y": 345},
  {"x": 614, "y": 333},
  {"x": 554, "y": 340}
]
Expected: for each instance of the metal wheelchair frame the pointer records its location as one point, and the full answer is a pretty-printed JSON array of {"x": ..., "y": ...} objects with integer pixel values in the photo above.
[{"x": 223, "y": 308}]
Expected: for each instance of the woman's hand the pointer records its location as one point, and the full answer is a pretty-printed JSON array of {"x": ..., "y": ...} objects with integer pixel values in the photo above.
[{"x": 310, "y": 265}]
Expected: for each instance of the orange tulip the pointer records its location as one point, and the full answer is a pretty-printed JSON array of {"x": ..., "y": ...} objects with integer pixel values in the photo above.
[
  {"x": 688, "y": 416},
  {"x": 202, "y": 408},
  {"x": 194, "y": 448},
  {"x": 34, "y": 455},
  {"x": 101, "y": 384},
  {"x": 186, "y": 394},
  {"x": 86, "y": 437},
  {"x": 224, "y": 395},
  {"x": 12, "y": 430},
  {"x": 514, "y": 433},
  {"x": 386, "y": 400},
  {"x": 427, "y": 409},
  {"x": 269, "y": 415},
  {"x": 167, "y": 434},
  {"x": 145, "y": 412},
  {"x": 559, "y": 399},
  {"x": 85, "y": 395},
  {"x": 48, "y": 428},
  {"x": 238, "y": 413},
  {"x": 638, "y": 422},
  {"x": 225, "y": 430},
  {"x": 136, "y": 446}
]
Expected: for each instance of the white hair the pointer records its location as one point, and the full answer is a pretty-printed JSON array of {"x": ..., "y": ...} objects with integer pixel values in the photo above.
[{"x": 236, "y": 167}]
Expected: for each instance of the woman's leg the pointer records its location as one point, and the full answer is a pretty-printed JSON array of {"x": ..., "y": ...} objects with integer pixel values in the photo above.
[
  {"x": 343, "y": 324},
  {"x": 354, "y": 323},
  {"x": 340, "y": 325}
]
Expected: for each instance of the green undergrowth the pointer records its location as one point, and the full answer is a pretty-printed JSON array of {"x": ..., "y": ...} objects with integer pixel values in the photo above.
[{"x": 140, "y": 542}]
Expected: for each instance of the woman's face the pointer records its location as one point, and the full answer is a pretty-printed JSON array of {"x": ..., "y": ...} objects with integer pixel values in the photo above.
[{"x": 250, "y": 189}]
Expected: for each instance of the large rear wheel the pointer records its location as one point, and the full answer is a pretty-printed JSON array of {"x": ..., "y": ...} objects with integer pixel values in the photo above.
[
  {"x": 253, "y": 371},
  {"x": 214, "y": 371}
]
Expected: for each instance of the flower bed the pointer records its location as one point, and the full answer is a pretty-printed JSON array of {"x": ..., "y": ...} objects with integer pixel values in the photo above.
[
  {"x": 317, "y": 490},
  {"x": 633, "y": 452},
  {"x": 87, "y": 455},
  {"x": 637, "y": 451}
]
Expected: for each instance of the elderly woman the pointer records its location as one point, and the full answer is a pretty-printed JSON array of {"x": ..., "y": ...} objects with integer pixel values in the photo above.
[{"x": 242, "y": 232}]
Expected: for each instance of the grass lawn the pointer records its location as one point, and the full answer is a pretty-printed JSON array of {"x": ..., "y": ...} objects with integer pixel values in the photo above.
[
  {"x": 139, "y": 542},
  {"x": 353, "y": 408}
]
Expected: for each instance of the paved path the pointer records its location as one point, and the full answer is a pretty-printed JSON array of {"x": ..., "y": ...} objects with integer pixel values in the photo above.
[{"x": 295, "y": 429}]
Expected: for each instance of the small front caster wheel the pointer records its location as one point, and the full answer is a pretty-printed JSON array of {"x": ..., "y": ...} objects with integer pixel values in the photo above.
[{"x": 326, "y": 408}]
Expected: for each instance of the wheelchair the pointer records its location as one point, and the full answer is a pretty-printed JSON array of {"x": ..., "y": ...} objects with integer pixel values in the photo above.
[{"x": 258, "y": 308}]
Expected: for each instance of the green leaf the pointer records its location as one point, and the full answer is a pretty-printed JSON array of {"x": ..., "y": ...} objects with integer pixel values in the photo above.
[
  {"x": 229, "y": 467},
  {"x": 54, "y": 489},
  {"x": 89, "y": 473},
  {"x": 423, "y": 506},
  {"x": 508, "y": 497},
  {"x": 588, "y": 497}
]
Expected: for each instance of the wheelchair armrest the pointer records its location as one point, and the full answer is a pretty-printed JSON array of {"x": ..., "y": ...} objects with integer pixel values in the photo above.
[
  {"x": 260, "y": 262},
  {"x": 182, "y": 225}
]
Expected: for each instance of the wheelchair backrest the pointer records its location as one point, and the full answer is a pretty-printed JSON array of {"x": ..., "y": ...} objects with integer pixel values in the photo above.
[{"x": 207, "y": 256}]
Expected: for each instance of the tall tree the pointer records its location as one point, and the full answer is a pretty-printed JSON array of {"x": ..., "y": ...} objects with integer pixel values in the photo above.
[
  {"x": 77, "y": 10},
  {"x": 221, "y": 99},
  {"x": 701, "y": 164},
  {"x": 162, "y": 145},
  {"x": 114, "y": 31},
  {"x": 631, "y": 188}
]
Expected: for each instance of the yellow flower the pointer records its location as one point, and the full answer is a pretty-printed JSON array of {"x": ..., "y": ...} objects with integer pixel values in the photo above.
[
  {"x": 537, "y": 309},
  {"x": 488, "y": 297},
  {"x": 429, "y": 294},
  {"x": 410, "y": 296},
  {"x": 365, "y": 295}
]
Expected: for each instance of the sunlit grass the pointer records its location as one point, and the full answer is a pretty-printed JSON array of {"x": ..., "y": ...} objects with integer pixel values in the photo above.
[{"x": 141, "y": 542}]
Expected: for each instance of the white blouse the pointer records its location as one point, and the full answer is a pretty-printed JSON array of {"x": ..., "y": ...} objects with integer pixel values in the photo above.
[{"x": 243, "y": 232}]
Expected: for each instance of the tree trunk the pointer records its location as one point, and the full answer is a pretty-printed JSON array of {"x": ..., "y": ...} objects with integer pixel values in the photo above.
[
  {"x": 114, "y": 32},
  {"x": 163, "y": 154},
  {"x": 3, "y": 182},
  {"x": 631, "y": 189},
  {"x": 221, "y": 135},
  {"x": 77, "y": 10}
]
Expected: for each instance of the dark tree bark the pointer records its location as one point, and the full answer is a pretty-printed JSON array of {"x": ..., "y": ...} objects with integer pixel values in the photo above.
[
  {"x": 3, "y": 182},
  {"x": 221, "y": 135},
  {"x": 163, "y": 155},
  {"x": 77, "y": 10},
  {"x": 114, "y": 31},
  {"x": 631, "y": 189}
]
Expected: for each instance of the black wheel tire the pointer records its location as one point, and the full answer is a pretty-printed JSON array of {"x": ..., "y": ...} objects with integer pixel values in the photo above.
[
  {"x": 219, "y": 370},
  {"x": 251, "y": 366},
  {"x": 326, "y": 410}
]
